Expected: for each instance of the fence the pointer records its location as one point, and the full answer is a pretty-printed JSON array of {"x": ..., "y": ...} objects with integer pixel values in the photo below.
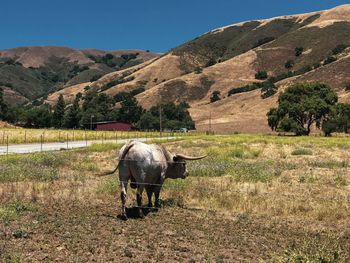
[{"x": 47, "y": 140}]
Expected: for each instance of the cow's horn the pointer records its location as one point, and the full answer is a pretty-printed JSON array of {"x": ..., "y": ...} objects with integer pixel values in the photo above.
[{"x": 185, "y": 157}]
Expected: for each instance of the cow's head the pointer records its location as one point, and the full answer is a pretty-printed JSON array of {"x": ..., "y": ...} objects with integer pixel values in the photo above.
[{"x": 177, "y": 167}]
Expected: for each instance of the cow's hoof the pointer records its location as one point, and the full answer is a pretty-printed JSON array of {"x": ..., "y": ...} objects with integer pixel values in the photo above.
[
  {"x": 123, "y": 217},
  {"x": 141, "y": 215}
]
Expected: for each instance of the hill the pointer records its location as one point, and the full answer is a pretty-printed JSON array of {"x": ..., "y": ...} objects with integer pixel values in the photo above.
[
  {"x": 296, "y": 48},
  {"x": 29, "y": 73}
]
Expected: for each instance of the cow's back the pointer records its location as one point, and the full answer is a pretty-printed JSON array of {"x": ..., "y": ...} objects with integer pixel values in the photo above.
[{"x": 144, "y": 162}]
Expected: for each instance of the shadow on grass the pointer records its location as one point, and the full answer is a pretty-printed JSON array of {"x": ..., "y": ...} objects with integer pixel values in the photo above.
[{"x": 132, "y": 212}]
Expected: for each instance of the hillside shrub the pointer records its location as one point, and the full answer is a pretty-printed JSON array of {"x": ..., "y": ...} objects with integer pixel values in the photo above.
[
  {"x": 215, "y": 96},
  {"x": 268, "y": 89},
  {"x": 243, "y": 89},
  {"x": 95, "y": 77},
  {"x": 347, "y": 86},
  {"x": 339, "y": 49},
  {"x": 263, "y": 41},
  {"x": 298, "y": 51},
  {"x": 261, "y": 75},
  {"x": 329, "y": 60}
]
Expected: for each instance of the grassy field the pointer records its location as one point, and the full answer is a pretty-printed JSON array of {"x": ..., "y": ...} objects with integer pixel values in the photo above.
[
  {"x": 18, "y": 136},
  {"x": 253, "y": 199}
]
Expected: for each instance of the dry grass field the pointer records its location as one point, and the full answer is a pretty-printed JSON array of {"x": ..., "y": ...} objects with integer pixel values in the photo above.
[
  {"x": 23, "y": 136},
  {"x": 253, "y": 199}
]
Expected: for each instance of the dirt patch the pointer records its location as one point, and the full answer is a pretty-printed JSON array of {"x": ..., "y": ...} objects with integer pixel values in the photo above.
[{"x": 94, "y": 233}]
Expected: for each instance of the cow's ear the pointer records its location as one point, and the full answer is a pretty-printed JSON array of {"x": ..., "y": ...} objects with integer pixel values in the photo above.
[{"x": 175, "y": 158}]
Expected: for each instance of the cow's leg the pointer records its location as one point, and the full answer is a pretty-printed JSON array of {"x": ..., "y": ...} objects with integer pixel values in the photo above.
[
  {"x": 124, "y": 186},
  {"x": 149, "y": 190},
  {"x": 157, "y": 189},
  {"x": 139, "y": 199}
]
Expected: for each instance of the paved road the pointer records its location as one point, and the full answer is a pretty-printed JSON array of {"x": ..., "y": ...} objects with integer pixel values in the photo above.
[{"x": 56, "y": 146}]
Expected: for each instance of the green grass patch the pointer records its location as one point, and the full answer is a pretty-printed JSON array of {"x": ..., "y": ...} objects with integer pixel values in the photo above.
[
  {"x": 340, "y": 180},
  {"x": 103, "y": 147},
  {"x": 110, "y": 186},
  {"x": 10, "y": 211},
  {"x": 302, "y": 151},
  {"x": 37, "y": 166},
  {"x": 177, "y": 184},
  {"x": 328, "y": 164},
  {"x": 258, "y": 171}
]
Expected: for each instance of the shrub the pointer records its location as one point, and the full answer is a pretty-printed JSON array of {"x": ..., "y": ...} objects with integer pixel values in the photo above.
[
  {"x": 298, "y": 51},
  {"x": 263, "y": 41},
  {"x": 347, "y": 86},
  {"x": 268, "y": 90},
  {"x": 329, "y": 60},
  {"x": 198, "y": 70},
  {"x": 95, "y": 77},
  {"x": 215, "y": 96},
  {"x": 261, "y": 75},
  {"x": 243, "y": 89},
  {"x": 339, "y": 49},
  {"x": 289, "y": 64}
]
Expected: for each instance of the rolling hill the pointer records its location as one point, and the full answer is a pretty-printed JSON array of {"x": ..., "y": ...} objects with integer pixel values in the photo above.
[
  {"x": 296, "y": 48},
  {"x": 28, "y": 73}
]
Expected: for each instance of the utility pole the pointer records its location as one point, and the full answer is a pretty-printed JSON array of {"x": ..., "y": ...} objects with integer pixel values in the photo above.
[
  {"x": 160, "y": 116},
  {"x": 91, "y": 121},
  {"x": 209, "y": 122}
]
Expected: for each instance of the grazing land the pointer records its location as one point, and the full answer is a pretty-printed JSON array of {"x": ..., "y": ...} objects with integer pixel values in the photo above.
[{"x": 253, "y": 199}]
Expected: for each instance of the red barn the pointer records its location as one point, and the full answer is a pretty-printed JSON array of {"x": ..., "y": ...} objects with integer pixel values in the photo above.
[{"x": 113, "y": 126}]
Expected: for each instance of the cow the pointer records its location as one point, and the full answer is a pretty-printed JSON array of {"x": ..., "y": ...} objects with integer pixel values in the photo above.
[{"x": 147, "y": 166}]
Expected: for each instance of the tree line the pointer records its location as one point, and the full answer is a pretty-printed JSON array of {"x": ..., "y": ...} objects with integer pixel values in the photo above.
[{"x": 97, "y": 107}]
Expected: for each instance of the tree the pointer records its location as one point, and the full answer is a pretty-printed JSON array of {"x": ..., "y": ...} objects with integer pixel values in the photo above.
[
  {"x": 338, "y": 119},
  {"x": 300, "y": 106},
  {"x": 130, "y": 110},
  {"x": 272, "y": 119},
  {"x": 173, "y": 117},
  {"x": 215, "y": 96},
  {"x": 59, "y": 110},
  {"x": 298, "y": 51},
  {"x": 38, "y": 117},
  {"x": 261, "y": 75},
  {"x": 148, "y": 121},
  {"x": 73, "y": 114}
]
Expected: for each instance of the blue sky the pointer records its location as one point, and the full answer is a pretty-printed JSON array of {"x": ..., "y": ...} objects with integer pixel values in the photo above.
[{"x": 156, "y": 25}]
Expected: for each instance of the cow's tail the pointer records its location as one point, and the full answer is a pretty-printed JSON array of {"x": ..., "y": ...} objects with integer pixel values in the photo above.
[{"x": 126, "y": 150}]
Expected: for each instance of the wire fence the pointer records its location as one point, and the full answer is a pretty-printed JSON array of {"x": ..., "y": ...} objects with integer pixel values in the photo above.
[{"x": 47, "y": 140}]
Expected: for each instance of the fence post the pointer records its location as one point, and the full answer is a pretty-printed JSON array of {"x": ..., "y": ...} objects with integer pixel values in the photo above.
[
  {"x": 86, "y": 143},
  {"x": 25, "y": 136},
  {"x": 3, "y": 137},
  {"x": 41, "y": 142},
  {"x": 67, "y": 139},
  {"x": 7, "y": 147},
  {"x": 116, "y": 137}
]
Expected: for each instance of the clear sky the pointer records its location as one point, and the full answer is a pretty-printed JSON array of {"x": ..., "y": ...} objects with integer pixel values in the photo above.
[{"x": 156, "y": 25}]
